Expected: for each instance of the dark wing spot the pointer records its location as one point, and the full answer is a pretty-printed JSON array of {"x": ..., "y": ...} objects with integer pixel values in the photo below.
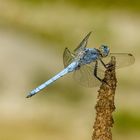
[{"x": 130, "y": 54}]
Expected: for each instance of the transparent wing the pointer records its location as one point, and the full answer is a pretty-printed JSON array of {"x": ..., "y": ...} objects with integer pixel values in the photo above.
[
  {"x": 83, "y": 44},
  {"x": 85, "y": 75},
  {"x": 122, "y": 59},
  {"x": 67, "y": 57}
]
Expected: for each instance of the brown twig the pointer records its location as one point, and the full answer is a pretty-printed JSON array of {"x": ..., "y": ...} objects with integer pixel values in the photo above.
[{"x": 105, "y": 105}]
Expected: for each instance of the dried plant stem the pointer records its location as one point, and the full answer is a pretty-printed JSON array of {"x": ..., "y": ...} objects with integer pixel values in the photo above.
[{"x": 105, "y": 105}]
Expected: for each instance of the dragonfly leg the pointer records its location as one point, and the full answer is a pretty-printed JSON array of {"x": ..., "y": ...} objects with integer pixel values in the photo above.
[
  {"x": 105, "y": 65},
  {"x": 95, "y": 71}
]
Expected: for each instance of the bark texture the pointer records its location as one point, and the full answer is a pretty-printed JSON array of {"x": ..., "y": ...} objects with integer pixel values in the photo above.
[{"x": 105, "y": 105}]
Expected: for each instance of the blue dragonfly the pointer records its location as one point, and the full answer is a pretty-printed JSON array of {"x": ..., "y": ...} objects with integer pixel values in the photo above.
[{"x": 87, "y": 64}]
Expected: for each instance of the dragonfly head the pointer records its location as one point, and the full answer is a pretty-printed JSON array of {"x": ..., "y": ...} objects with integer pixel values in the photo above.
[{"x": 104, "y": 50}]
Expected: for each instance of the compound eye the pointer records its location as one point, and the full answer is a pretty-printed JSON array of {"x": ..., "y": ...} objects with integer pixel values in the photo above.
[{"x": 105, "y": 46}]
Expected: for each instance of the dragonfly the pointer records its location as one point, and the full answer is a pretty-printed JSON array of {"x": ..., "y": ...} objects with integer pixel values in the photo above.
[{"x": 87, "y": 64}]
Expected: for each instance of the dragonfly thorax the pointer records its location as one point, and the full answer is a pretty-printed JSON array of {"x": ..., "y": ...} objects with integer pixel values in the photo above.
[{"x": 89, "y": 56}]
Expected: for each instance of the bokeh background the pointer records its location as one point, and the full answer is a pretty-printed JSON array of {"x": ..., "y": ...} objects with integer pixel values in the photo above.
[{"x": 33, "y": 35}]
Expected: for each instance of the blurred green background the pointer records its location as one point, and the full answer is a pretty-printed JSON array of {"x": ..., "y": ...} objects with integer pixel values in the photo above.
[{"x": 33, "y": 35}]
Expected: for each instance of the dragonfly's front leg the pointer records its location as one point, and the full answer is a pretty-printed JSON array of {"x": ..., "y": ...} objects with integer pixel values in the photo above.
[
  {"x": 105, "y": 65},
  {"x": 95, "y": 71}
]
